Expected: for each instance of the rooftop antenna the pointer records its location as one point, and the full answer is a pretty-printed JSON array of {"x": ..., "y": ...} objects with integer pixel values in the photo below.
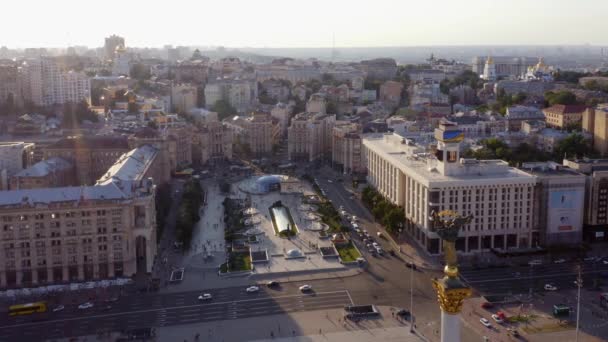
[{"x": 333, "y": 46}]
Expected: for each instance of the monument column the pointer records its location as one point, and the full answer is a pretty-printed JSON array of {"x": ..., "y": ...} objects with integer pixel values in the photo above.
[{"x": 451, "y": 291}]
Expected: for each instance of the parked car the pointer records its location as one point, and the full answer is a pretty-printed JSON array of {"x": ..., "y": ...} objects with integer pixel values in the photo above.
[
  {"x": 272, "y": 283},
  {"x": 513, "y": 332},
  {"x": 497, "y": 319},
  {"x": 485, "y": 322},
  {"x": 305, "y": 288},
  {"x": 559, "y": 261},
  {"x": 403, "y": 313},
  {"x": 487, "y": 305},
  {"x": 535, "y": 262},
  {"x": 380, "y": 251},
  {"x": 380, "y": 235},
  {"x": 410, "y": 265},
  {"x": 375, "y": 244},
  {"x": 58, "y": 308},
  {"x": 252, "y": 289},
  {"x": 205, "y": 297},
  {"x": 549, "y": 287},
  {"x": 86, "y": 305}
]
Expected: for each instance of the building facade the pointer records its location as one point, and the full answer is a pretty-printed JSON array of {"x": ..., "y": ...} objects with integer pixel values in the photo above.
[
  {"x": 346, "y": 148},
  {"x": 14, "y": 157},
  {"x": 259, "y": 133},
  {"x": 49, "y": 173},
  {"x": 81, "y": 233},
  {"x": 90, "y": 155},
  {"x": 499, "y": 197},
  {"x": 564, "y": 116},
  {"x": 309, "y": 136},
  {"x": 183, "y": 98}
]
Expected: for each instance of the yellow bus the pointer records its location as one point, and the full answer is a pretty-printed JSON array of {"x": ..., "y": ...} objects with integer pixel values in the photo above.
[{"x": 26, "y": 309}]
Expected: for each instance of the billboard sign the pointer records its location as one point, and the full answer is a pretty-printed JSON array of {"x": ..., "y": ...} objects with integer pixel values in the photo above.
[{"x": 565, "y": 211}]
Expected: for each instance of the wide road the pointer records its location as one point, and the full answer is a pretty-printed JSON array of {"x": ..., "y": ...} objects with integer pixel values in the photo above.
[
  {"x": 173, "y": 309},
  {"x": 519, "y": 279}
]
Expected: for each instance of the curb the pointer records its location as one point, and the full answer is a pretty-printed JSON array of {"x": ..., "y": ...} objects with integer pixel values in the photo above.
[{"x": 286, "y": 279}]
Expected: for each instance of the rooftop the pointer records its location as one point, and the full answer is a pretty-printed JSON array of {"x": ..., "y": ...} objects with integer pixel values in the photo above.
[
  {"x": 565, "y": 109},
  {"x": 45, "y": 167},
  {"x": 91, "y": 143},
  {"x": 413, "y": 160}
]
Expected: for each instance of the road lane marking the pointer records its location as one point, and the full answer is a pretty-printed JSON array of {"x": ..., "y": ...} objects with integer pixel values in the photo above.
[{"x": 156, "y": 310}]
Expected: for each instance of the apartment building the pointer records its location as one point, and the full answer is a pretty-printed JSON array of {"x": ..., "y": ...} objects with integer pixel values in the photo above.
[
  {"x": 215, "y": 142},
  {"x": 499, "y": 197},
  {"x": 183, "y": 97},
  {"x": 390, "y": 93},
  {"x": 505, "y": 66},
  {"x": 81, "y": 233},
  {"x": 564, "y": 116},
  {"x": 595, "y": 123},
  {"x": 309, "y": 136},
  {"x": 10, "y": 90},
  {"x": 90, "y": 155},
  {"x": 518, "y": 114},
  {"x": 595, "y": 220},
  {"x": 46, "y": 83},
  {"x": 346, "y": 147},
  {"x": 559, "y": 203},
  {"x": 240, "y": 93},
  {"x": 49, "y": 173},
  {"x": 260, "y": 133},
  {"x": 14, "y": 157}
]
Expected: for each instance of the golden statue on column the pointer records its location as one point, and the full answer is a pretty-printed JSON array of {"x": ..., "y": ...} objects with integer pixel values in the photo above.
[{"x": 451, "y": 291}]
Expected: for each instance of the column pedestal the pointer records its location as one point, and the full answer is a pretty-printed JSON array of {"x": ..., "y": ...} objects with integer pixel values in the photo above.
[{"x": 450, "y": 327}]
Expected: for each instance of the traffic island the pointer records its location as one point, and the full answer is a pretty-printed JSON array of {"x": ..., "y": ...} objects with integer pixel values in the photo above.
[{"x": 348, "y": 252}]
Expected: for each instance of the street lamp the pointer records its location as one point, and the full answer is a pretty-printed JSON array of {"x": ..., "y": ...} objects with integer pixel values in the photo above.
[
  {"x": 412, "y": 299},
  {"x": 579, "y": 284}
]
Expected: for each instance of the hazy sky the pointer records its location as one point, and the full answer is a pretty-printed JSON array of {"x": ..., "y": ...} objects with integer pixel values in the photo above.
[{"x": 304, "y": 23}]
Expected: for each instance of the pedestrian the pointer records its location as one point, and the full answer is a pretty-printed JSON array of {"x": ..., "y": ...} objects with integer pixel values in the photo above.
[{"x": 320, "y": 331}]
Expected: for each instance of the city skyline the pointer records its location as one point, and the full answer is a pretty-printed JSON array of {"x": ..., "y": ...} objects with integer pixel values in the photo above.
[{"x": 386, "y": 23}]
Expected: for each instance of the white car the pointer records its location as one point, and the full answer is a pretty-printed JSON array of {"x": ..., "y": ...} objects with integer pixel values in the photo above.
[
  {"x": 58, "y": 308},
  {"x": 354, "y": 218},
  {"x": 205, "y": 296},
  {"x": 376, "y": 245},
  {"x": 549, "y": 287},
  {"x": 535, "y": 262},
  {"x": 605, "y": 261},
  {"x": 485, "y": 322},
  {"x": 86, "y": 305},
  {"x": 305, "y": 288},
  {"x": 329, "y": 181},
  {"x": 559, "y": 261},
  {"x": 497, "y": 319},
  {"x": 252, "y": 289}
]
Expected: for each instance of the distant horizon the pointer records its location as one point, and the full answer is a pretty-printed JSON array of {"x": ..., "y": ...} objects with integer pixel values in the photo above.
[{"x": 315, "y": 24}]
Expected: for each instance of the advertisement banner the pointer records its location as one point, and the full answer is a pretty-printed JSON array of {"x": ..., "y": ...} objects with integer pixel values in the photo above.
[{"x": 565, "y": 211}]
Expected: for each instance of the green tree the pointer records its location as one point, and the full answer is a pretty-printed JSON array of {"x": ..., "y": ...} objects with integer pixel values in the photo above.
[
  {"x": 140, "y": 72},
  {"x": 574, "y": 145},
  {"x": 223, "y": 109},
  {"x": 562, "y": 97},
  {"x": 568, "y": 76}
]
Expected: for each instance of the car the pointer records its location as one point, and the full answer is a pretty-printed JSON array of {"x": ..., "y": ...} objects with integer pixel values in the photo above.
[
  {"x": 205, "y": 297},
  {"x": 403, "y": 313},
  {"x": 354, "y": 218},
  {"x": 380, "y": 251},
  {"x": 605, "y": 261},
  {"x": 497, "y": 319},
  {"x": 513, "y": 332},
  {"x": 58, "y": 308},
  {"x": 329, "y": 181},
  {"x": 379, "y": 234},
  {"x": 589, "y": 259},
  {"x": 576, "y": 283},
  {"x": 410, "y": 265},
  {"x": 305, "y": 288},
  {"x": 375, "y": 244},
  {"x": 559, "y": 261},
  {"x": 487, "y": 305},
  {"x": 272, "y": 283},
  {"x": 86, "y": 305},
  {"x": 252, "y": 289},
  {"x": 106, "y": 308},
  {"x": 360, "y": 260},
  {"x": 485, "y": 322},
  {"x": 549, "y": 287},
  {"x": 535, "y": 262}
]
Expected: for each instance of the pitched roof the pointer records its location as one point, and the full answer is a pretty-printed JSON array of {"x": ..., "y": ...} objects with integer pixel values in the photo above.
[
  {"x": 565, "y": 109},
  {"x": 45, "y": 167},
  {"x": 91, "y": 143}
]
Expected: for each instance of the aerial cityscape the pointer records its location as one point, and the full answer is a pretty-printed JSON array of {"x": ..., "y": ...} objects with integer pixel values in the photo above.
[{"x": 225, "y": 179}]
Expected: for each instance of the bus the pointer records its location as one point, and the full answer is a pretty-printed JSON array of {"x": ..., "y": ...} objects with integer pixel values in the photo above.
[{"x": 26, "y": 309}]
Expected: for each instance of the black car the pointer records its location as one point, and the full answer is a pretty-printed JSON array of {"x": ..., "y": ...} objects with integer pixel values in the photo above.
[
  {"x": 272, "y": 284},
  {"x": 403, "y": 313},
  {"x": 410, "y": 265}
]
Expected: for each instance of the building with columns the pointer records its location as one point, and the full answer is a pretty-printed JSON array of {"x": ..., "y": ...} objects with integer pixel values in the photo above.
[
  {"x": 499, "y": 197},
  {"x": 82, "y": 233}
]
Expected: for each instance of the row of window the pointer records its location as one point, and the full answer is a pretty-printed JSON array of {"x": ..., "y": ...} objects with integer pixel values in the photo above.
[{"x": 69, "y": 214}]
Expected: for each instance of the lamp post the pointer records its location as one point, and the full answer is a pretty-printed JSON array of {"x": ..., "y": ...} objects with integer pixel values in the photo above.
[
  {"x": 579, "y": 284},
  {"x": 412, "y": 299}
]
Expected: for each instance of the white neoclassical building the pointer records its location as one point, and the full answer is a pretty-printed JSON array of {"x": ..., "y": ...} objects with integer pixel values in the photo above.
[{"x": 421, "y": 181}]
